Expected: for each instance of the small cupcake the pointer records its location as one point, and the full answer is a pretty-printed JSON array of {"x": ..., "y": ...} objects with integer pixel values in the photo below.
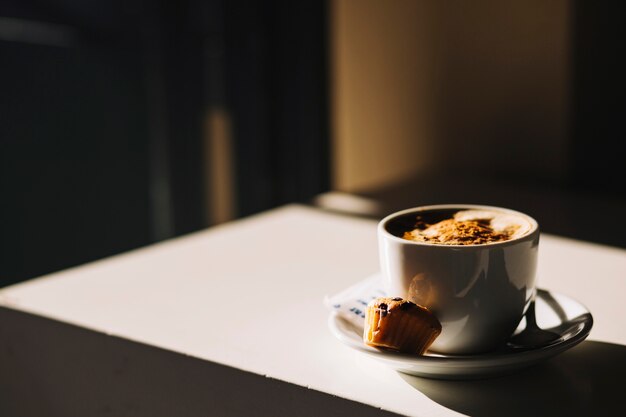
[{"x": 400, "y": 325}]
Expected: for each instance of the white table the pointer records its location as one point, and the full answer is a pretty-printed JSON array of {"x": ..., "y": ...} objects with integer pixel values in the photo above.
[{"x": 230, "y": 321}]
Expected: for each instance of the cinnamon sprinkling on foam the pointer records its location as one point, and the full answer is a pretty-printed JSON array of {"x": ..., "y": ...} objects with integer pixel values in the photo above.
[{"x": 459, "y": 232}]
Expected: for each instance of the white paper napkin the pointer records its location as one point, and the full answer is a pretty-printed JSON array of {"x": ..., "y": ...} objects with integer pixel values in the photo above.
[{"x": 351, "y": 302}]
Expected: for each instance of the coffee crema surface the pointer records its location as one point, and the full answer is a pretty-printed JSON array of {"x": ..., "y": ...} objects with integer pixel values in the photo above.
[{"x": 466, "y": 227}]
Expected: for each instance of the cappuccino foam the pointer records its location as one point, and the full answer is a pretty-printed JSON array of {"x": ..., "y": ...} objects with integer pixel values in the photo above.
[{"x": 470, "y": 227}]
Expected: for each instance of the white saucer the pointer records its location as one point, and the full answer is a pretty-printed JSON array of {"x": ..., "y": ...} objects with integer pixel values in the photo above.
[{"x": 552, "y": 309}]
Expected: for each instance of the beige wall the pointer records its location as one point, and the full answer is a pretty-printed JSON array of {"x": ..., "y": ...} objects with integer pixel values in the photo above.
[{"x": 422, "y": 86}]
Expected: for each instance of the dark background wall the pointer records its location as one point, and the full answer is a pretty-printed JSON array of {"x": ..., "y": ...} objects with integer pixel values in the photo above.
[
  {"x": 103, "y": 107},
  {"x": 512, "y": 103}
]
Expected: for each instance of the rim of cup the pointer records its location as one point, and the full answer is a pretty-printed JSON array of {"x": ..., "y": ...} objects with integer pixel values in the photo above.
[{"x": 534, "y": 226}]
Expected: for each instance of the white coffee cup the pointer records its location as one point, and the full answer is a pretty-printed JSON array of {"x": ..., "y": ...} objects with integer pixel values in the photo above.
[{"x": 478, "y": 292}]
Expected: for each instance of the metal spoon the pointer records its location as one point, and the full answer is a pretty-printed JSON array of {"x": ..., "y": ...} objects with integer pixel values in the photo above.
[{"x": 533, "y": 336}]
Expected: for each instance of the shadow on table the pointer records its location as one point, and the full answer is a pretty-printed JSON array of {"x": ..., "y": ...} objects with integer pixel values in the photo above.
[
  {"x": 49, "y": 368},
  {"x": 582, "y": 381}
]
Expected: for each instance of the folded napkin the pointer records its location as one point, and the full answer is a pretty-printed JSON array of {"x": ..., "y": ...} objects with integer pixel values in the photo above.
[{"x": 352, "y": 302}]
